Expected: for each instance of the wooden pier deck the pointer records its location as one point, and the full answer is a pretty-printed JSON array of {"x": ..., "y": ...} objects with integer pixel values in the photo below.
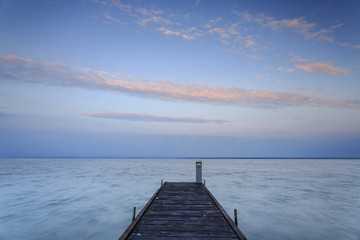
[{"x": 181, "y": 210}]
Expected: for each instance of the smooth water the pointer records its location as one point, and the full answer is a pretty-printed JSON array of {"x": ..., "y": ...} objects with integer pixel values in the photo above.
[{"x": 93, "y": 198}]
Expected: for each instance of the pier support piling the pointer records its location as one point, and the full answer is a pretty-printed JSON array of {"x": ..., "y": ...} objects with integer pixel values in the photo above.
[
  {"x": 235, "y": 217},
  {"x": 134, "y": 213}
]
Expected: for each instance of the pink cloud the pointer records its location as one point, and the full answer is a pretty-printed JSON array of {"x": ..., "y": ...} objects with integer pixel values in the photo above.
[
  {"x": 212, "y": 22},
  {"x": 221, "y": 31},
  {"x": 18, "y": 69},
  {"x": 249, "y": 43},
  {"x": 299, "y": 59},
  {"x": 168, "y": 32},
  {"x": 324, "y": 68}
]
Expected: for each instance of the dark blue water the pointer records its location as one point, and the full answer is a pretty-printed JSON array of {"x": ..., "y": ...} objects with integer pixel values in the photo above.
[{"x": 93, "y": 198}]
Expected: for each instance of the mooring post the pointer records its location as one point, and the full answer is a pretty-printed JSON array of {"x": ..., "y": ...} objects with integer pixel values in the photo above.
[
  {"x": 162, "y": 182},
  {"x": 198, "y": 172},
  {"x": 235, "y": 217},
  {"x": 204, "y": 182},
  {"x": 134, "y": 213}
]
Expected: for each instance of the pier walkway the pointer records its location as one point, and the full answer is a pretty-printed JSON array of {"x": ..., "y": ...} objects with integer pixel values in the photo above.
[{"x": 182, "y": 210}]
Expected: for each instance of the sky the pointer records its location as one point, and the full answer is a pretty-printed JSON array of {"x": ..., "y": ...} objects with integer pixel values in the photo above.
[{"x": 179, "y": 78}]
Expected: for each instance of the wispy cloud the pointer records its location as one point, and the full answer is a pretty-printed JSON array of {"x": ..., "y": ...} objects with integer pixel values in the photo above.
[
  {"x": 220, "y": 31},
  {"x": 145, "y": 16},
  {"x": 149, "y": 12},
  {"x": 18, "y": 69},
  {"x": 213, "y": 22},
  {"x": 113, "y": 19},
  {"x": 181, "y": 25},
  {"x": 130, "y": 116},
  {"x": 285, "y": 69},
  {"x": 139, "y": 15},
  {"x": 189, "y": 34},
  {"x": 249, "y": 43},
  {"x": 116, "y": 3},
  {"x": 322, "y": 68},
  {"x": 169, "y": 32},
  {"x": 319, "y": 89},
  {"x": 299, "y": 59},
  {"x": 300, "y": 25},
  {"x": 154, "y": 19},
  {"x": 349, "y": 45}
]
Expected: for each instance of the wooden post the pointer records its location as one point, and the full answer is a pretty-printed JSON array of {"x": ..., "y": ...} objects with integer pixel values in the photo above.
[
  {"x": 162, "y": 182},
  {"x": 235, "y": 216},
  {"x": 198, "y": 172},
  {"x": 204, "y": 182},
  {"x": 134, "y": 213}
]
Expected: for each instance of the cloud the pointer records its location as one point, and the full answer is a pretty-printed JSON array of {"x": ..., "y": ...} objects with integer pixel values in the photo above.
[
  {"x": 129, "y": 116},
  {"x": 283, "y": 69},
  {"x": 113, "y": 19},
  {"x": 197, "y": 2},
  {"x": 249, "y": 43},
  {"x": 324, "y": 68},
  {"x": 300, "y": 25},
  {"x": 299, "y": 59},
  {"x": 349, "y": 45},
  {"x": 319, "y": 89},
  {"x": 255, "y": 57},
  {"x": 212, "y": 22},
  {"x": 116, "y": 3},
  {"x": 154, "y": 19},
  {"x": 145, "y": 16},
  {"x": 179, "y": 25},
  {"x": 141, "y": 16},
  {"x": 168, "y": 32},
  {"x": 220, "y": 31},
  {"x": 149, "y": 12},
  {"x": 189, "y": 34},
  {"x": 57, "y": 74}
]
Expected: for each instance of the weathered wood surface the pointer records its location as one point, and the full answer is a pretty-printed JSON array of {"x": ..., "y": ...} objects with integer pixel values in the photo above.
[{"x": 182, "y": 211}]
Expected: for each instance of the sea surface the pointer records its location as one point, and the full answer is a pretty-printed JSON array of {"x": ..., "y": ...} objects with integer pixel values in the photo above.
[{"x": 93, "y": 198}]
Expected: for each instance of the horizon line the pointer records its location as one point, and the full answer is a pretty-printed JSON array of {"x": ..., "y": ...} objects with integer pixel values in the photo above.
[{"x": 2, "y": 157}]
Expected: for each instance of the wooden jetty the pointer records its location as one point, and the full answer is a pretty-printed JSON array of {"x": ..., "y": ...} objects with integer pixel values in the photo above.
[{"x": 182, "y": 210}]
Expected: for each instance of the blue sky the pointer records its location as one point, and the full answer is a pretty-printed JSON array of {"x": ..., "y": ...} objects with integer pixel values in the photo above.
[{"x": 179, "y": 78}]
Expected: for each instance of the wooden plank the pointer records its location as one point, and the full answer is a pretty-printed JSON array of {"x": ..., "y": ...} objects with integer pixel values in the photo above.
[
  {"x": 180, "y": 238},
  {"x": 182, "y": 211},
  {"x": 193, "y": 222},
  {"x": 226, "y": 216},
  {"x": 183, "y": 226},
  {"x": 182, "y": 233},
  {"x": 141, "y": 213}
]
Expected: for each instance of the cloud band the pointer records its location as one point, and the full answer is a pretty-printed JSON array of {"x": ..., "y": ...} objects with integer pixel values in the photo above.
[
  {"x": 14, "y": 68},
  {"x": 129, "y": 116}
]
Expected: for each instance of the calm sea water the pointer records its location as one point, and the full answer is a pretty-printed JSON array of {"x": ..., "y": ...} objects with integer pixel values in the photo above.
[{"x": 93, "y": 198}]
